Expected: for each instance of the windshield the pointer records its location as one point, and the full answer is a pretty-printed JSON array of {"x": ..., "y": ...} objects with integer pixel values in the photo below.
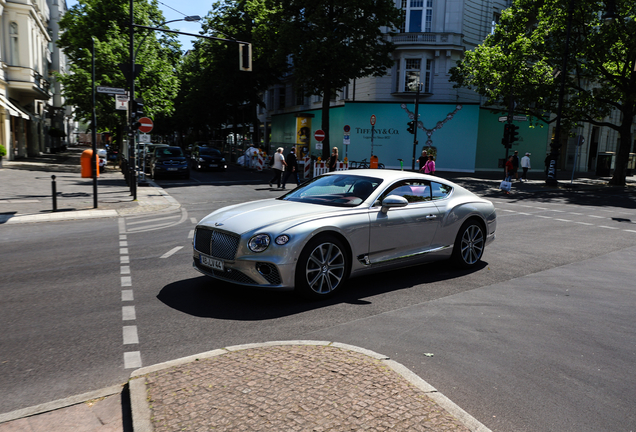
[
  {"x": 342, "y": 190},
  {"x": 209, "y": 151},
  {"x": 169, "y": 152}
]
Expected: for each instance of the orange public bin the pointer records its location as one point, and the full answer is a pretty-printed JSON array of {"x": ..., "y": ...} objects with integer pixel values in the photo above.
[
  {"x": 85, "y": 161},
  {"x": 374, "y": 162}
]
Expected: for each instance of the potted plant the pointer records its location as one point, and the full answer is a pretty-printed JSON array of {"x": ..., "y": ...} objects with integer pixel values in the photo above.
[{"x": 3, "y": 152}]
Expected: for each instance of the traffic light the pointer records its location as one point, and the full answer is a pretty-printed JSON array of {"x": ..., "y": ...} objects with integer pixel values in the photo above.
[
  {"x": 514, "y": 135},
  {"x": 245, "y": 57},
  {"x": 506, "y": 136},
  {"x": 411, "y": 127},
  {"x": 137, "y": 108}
]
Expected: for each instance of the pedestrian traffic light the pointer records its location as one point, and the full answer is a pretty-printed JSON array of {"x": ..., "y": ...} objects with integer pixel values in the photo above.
[
  {"x": 411, "y": 127},
  {"x": 514, "y": 135}
]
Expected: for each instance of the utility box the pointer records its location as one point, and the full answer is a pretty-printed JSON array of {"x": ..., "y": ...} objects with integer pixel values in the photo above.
[{"x": 85, "y": 161}]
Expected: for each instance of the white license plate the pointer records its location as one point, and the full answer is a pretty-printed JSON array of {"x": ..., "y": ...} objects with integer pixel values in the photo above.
[
  {"x": 213, "y": 165},
  {"x": 212, "y": 263},
  {"x": 172, "y": 169}
]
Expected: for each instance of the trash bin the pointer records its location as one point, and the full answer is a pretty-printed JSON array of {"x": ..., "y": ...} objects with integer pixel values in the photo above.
[
  {"x": 374, "y": 162},
  {"x": 85, "y": 161}
]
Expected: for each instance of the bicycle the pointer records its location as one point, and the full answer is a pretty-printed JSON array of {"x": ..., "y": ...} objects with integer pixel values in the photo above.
[{"x": 363, "y": 164}]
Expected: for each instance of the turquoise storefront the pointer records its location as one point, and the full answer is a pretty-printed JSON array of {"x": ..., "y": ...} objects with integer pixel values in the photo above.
[{"x": 466, "y": 137}]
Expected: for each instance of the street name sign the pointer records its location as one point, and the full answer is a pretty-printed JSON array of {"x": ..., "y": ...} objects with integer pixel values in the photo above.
[{"x": 111, "y": 90}]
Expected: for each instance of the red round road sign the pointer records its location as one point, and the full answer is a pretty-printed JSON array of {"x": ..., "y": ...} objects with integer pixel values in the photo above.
[
  {"x": 319, "y": 135},
  {"x": 146, "y": 125},
  {"x": 373, "y": 120}
]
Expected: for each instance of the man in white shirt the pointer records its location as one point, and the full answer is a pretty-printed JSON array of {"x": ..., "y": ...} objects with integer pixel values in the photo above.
[
  {"x": 525, "y": 164},
  {"x": 278, "y": 166}
]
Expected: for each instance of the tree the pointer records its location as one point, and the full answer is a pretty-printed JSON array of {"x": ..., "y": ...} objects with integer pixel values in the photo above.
[
  {"x": 107, "y": 22},
  {"x": 330, "y": 42},
  {"x": 525, "y": 57}
]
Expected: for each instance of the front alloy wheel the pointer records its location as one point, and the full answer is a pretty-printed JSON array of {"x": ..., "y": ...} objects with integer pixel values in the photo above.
[
  {"x": 469, "y": 245},
  {"x": 322, "y": 268}
]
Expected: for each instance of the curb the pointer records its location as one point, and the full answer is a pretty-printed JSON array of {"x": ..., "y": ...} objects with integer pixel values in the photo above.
[
  {"x": 61, "y": 403},
  {"x": 141, "y": 412}
]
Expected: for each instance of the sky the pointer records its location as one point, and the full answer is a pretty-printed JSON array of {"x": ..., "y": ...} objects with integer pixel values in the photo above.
[{"x": 178, "y": 9}]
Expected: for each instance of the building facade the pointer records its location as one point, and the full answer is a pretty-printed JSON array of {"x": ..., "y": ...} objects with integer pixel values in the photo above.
[
  {"x": 25, "y": 57},
  {"x": 464, "y": 134}
]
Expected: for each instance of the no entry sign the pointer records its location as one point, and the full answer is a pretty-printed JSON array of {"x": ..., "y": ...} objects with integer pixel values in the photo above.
[
  {"x": 319, "y": 135},
  {"x": 146, "y": 125}
]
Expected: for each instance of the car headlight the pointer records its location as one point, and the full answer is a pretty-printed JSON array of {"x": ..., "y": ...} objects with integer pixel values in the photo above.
[
  {"x": 201, "y": 160},
  {"x": 258, "y": 243},
  {"x": 282, "y": 239}
]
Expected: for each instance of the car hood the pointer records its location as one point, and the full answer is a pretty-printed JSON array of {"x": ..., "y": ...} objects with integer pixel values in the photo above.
[{"x": 265, "y": 214}]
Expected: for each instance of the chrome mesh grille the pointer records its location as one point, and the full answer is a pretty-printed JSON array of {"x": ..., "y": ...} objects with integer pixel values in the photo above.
[{"x": 216, "y": 243}]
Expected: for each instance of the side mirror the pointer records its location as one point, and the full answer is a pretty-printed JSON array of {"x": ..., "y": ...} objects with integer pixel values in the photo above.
[{"x": 393, "y": 201}]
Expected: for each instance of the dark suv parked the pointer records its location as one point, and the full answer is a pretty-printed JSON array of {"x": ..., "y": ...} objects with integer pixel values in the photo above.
[
  {"x": 169, "y": 161},
  {"x": 203, "y": 158}
]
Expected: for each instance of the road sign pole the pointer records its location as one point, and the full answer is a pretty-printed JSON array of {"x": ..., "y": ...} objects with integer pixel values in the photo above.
[{"x": 416, "y": 120}]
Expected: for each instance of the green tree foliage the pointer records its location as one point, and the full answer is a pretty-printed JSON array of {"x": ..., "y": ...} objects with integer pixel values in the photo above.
[
  {"x": 329, "y": 42},
  {"x": 214, "y": 92},
  {"x": 524, "y": 58},
  {"x": 107, "y": 22}
]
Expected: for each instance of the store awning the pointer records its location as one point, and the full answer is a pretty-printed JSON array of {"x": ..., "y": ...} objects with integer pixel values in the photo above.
[{"x": 14, "y": 110}]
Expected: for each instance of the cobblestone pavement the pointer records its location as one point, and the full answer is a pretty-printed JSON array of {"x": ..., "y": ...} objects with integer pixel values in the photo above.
[{"x": 292, "y": 388}]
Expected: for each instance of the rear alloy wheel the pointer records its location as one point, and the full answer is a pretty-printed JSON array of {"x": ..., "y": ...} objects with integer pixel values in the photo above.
[
  {"x": 322, "y": 268},
  {"x": 469, "y": 245}
]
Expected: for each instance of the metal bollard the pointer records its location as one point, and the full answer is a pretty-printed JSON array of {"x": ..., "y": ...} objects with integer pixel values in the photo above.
[{"x": 54, "y": 191}]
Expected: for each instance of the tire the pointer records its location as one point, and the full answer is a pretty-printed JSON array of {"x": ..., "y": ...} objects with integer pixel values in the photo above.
[
  {"x": 469, "y": 244},
  {"x": 381, "y": 166},
  {"x": 322, "y": 268}
]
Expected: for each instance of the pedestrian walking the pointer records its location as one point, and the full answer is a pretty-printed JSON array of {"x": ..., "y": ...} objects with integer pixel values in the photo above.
[
  {"x": 429, "y": 166},
  {"x": 278, "y": 166},
  {"x": 515, "y": 165},
  {"x": 422, "y": 160},
  {"x": 333, "y": 159},
  {"x": 509, "y": 168},
  {"x": 525, "y": 166},
  {"x": 292, "y": 167}
]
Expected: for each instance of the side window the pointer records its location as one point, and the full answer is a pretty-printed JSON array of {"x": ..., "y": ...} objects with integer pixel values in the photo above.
[
  {"x": 413, "y": 191},
  {"x": 440, "y": 191}
]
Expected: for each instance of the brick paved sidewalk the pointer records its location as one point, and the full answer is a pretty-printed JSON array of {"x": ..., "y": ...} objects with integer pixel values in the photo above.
[{"x": 291, "y": 387}]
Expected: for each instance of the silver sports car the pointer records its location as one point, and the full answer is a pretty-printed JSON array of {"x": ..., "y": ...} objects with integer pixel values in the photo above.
[{"x": 340, "y": 225}]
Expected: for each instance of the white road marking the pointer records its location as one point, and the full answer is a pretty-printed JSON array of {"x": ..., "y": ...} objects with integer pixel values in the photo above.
[
  {"x": 122, "y": 237},
  {"x": 171, "y": 252},
  {"x": 130, "y": 335},
  {"x": 193, "y": 220},
  {"x": 608, "y": 227},
  {"x": 124, "y": 259},
  {"x": 132, "y": 360},
  {"x": 127, "y": 295},
  {"x": 585, "y": 223},
  {"x": 598, "y": 217},
  {"x": 126, "y": 281},
  {"x": 125, "y": 269},
  {"x": 191, "y": 234},
  {"x": 123, "y": 251},
  {"x": 562, "y": 220},
  {"x": 123, "y": 244},
  {"x": 544, "y": 217},
  {"x": 154, "y": 220},
  {"x": 128, "y": 313},
  {"x": 634, "y": 231}
]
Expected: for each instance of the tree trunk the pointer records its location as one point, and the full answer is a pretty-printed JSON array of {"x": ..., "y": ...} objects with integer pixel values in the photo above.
[{"x": 622, "y": 155}]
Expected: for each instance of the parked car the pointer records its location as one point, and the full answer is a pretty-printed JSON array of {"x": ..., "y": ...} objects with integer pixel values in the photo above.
[
  {"x": 341, "y": 225},
  {"x": 169, "y": 161},
  {"x": 204, "y": 158}
]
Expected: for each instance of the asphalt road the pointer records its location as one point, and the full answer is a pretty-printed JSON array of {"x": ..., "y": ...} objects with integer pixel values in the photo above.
[{"x": 539, "y": 338}]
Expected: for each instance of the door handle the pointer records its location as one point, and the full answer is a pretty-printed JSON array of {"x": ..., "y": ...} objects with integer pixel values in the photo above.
[{"x": 431, "y": 217}]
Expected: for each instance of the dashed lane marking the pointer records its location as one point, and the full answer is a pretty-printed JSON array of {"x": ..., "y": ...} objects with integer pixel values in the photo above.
[
  {"x": 130, "y": 335},
  {"x": 128, "y": 313}
]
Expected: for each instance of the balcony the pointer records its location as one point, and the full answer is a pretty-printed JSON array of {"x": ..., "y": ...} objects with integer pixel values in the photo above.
[
  {"x": 28, "y": 82},
  {"x": 427, "y": 40}
]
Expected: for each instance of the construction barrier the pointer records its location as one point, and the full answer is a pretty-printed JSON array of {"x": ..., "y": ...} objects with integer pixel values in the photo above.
[
  {"x": 259, "y": 162},
  {"x": 307, "y": 168},
  {"x": 322, "y": 167}
]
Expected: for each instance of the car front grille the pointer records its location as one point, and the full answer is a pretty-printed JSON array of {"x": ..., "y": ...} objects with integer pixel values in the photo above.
[
  {"x": 271, "y": 275},
  {"x": 216, "y": 243}
]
